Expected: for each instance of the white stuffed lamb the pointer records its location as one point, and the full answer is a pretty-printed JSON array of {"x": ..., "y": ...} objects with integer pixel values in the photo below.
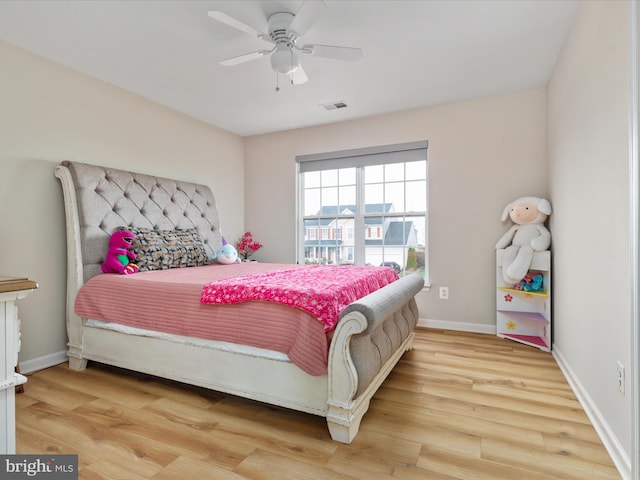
[{"x": 526, "y": 236}]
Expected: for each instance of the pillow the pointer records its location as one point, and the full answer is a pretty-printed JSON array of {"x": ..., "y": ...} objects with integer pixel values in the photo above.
[{"x": 164, "y": 249}]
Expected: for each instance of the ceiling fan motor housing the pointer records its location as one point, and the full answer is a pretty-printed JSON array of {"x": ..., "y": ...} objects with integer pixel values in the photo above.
[{"x": 279, "y": 24}]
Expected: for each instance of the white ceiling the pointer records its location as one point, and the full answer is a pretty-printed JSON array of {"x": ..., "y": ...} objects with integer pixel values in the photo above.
[{"x": 416, "y": 53}]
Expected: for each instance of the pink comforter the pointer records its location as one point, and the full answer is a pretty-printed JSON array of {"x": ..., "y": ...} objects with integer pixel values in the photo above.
[
  {"x": 169, "y": 301},
  {"x": 322, "y": 290}
]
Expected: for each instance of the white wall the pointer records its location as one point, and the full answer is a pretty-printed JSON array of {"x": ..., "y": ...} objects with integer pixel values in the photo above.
[
  {"x": 482, "y": 154},
  {"x": 588, "y": 148},
  {"x": 49, "y": 113}
]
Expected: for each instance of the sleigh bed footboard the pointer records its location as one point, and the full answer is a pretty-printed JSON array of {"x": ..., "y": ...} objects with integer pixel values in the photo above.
[{"x": 372, "y": 335}]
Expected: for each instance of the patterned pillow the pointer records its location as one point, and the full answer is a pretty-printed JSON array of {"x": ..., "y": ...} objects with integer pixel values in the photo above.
[{"x": 163, "y": 249}]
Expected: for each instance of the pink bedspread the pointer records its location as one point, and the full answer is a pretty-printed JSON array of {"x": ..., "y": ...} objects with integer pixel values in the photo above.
[
  {"x": 322, "y": 290},
  {"x": 169, "y": 301}
]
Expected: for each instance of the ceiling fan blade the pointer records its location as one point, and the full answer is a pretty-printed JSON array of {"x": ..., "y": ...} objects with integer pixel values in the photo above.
[
  {"x": 298, "y": 77},
  {"x": 244, "y": 58},
  {"x": 348, "y": 54},
  {"x": 238, "y": 24},
  {"x": 307, "y": 15}
]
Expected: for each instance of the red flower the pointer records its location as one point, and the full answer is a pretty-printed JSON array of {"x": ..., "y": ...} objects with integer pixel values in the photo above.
[
  {"x": 247, "y": 246},
  {"x": 508, "y": 297}
]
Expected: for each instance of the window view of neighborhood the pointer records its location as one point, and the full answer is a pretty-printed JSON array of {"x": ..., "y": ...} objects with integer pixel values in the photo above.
[{"x": 389, "y": 229}]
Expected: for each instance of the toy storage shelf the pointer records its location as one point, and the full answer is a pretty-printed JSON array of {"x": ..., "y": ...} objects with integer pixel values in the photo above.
[
  {"x": 523, "y": 316},
  {"x": 531, "y": 340},
  {"x": 535, "y": 316},
  {"x": 522, "y": 292}
]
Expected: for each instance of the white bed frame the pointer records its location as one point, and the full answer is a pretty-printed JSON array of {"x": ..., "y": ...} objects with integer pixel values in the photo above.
[{"x": 370, "y": 338}]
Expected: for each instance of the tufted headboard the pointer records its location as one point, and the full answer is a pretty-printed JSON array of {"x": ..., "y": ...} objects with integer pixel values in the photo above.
[{"x": 98, "y": 200}]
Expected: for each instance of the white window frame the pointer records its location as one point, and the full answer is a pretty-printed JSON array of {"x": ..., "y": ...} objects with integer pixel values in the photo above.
[{"x": 361, "y": 157}]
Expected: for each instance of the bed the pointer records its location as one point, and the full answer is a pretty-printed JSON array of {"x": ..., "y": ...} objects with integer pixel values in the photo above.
[{"x": 370, "y": 336}]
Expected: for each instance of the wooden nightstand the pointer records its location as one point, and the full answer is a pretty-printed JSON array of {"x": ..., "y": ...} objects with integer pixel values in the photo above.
[{"x": 11, "y": 289}]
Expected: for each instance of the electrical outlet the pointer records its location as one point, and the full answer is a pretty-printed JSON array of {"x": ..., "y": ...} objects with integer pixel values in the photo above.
[
  {"x": 444, "y": 293},
  {"x": 620, "y": 376}
]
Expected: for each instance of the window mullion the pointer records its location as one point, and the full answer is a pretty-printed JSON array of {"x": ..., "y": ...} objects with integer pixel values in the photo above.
[{"x": 359, "y": 248}]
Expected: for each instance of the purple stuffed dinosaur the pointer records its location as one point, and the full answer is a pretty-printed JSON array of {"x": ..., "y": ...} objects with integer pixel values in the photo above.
[{"x": 119, "y": 256}]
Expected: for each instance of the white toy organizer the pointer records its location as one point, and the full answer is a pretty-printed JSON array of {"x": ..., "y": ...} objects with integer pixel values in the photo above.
[{"x": 525, "y": 316}]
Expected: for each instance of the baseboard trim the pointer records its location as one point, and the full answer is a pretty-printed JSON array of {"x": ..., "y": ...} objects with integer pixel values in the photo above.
[
  {"x": 46, "y": 361},
  {"x": 459, "y": 326},
  {"x": 609, "y": 440}
]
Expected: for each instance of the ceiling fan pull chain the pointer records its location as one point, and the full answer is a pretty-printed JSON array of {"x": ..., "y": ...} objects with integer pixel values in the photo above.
[
  {"x": 277, "y": 83},
  {"x": 293, "y": 66}
]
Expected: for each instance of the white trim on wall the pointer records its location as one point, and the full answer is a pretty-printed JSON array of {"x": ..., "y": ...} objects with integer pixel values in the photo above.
[
  {"x": 634, "y": 209},
  {"x": 46, "y": 361},
  {"x": 609, "y": 440},
  {"x": 458, "y": 326}
]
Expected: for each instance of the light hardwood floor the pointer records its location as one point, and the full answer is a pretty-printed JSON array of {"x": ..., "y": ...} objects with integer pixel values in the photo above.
[{"x": 458, "y": 406}]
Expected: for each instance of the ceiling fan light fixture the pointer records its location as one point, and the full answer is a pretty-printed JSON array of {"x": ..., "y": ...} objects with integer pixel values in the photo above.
[{"x": 284, "y": 60}]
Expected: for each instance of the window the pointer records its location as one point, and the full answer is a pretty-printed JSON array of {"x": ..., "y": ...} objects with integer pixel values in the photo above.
[{"x": 377, "y": 195}]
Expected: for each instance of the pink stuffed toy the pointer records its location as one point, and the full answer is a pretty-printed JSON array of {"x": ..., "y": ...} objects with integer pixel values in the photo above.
[{"x": 119, "y": 255}]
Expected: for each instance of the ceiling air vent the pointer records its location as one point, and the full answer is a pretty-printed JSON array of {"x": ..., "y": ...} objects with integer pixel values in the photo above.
[{"x": 334, "y": 105}]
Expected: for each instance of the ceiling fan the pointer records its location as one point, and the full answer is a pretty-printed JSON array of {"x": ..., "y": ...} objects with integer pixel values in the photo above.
[{"x": 284, "y": 32}]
